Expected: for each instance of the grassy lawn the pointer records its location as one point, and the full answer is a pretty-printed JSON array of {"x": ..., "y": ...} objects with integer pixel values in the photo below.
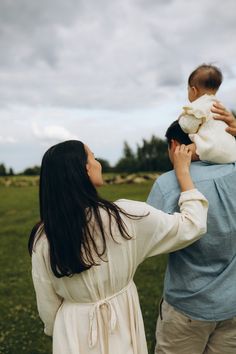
[{"x": 21, "y": 331}]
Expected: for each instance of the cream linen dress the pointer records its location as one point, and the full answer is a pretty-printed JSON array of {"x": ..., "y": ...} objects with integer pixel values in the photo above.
[
  {"x": 98, "y": 310},
  {"x": 213, "y": 143}
]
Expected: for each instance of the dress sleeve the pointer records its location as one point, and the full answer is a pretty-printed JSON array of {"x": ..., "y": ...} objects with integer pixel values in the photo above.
[
  {"x": 189, "y": 123},
  {"x": 48, "y": 302},
  {"x": 195, "y": 114},
  {"x": 159, "y": 232}
]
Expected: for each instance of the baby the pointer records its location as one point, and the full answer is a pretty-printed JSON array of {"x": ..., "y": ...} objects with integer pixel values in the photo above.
[{"x": 212, "y": 142}]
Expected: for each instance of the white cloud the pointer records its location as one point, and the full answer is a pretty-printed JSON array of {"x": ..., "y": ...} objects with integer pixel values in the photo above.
[
  {"x": 101, "y": 69},
  {"x": 106, "y": 54},
  {"x": 52, "y": 133},
  {"x": 7, "y": 140}
]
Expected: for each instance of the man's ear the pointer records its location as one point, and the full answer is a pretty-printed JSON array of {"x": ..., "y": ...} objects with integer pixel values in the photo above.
[{"x": 173, "y": 144}]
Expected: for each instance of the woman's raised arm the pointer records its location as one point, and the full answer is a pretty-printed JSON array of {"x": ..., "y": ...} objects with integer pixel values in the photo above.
[{"x": 159, "y": 232}]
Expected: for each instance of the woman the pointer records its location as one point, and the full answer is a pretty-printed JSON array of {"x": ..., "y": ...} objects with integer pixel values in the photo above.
[{"x": 86, "y": 250}]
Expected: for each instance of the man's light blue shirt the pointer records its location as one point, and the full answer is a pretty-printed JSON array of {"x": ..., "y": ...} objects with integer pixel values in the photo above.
[{"x": 200, "y": 280}]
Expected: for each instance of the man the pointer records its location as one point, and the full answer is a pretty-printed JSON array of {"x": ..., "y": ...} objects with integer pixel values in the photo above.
[{"x": 198, "y": 313}]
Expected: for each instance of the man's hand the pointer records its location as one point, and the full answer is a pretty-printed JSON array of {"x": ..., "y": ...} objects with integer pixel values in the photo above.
[{"x": 221, "y": 113}]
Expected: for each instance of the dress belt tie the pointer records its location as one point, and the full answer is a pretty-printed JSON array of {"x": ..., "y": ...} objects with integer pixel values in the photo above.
[{"x": 95, "y": 316}]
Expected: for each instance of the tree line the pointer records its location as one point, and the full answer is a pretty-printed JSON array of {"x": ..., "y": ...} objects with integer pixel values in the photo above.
[
  {"x": 30, "y": 171},
  {"x": 4, "y": 171},
  {"x": 149, "y": 155}
]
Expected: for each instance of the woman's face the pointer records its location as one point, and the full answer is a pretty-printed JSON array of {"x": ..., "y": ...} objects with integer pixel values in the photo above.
[{"x": 94, "y": 169}]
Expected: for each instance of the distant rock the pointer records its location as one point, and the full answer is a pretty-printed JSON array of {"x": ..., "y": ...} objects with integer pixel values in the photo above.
[
  {"x": 132, "y": 178},
  {"x": 25, "y": 181}
]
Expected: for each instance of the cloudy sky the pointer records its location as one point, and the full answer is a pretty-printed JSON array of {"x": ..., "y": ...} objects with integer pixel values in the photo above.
[{"x": 104, "y": 71}]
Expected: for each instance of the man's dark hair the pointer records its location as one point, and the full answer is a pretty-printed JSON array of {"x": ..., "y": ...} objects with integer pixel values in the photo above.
[
  {"x": 175, "y": 132},
  {"x": 206, "y": 76}
]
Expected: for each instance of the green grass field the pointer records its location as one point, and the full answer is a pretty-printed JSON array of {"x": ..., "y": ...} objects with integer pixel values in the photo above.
[{"x": 21, "y": 331}]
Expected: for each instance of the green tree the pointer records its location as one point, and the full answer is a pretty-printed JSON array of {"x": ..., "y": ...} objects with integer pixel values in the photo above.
[
  {"x": 32, "y": 171},
  {"x": 153, "y": 155},
  {"x": 11, "y": 172},
  {"x": 128, "y": 163},
  {"x": 3, "y": 170}
]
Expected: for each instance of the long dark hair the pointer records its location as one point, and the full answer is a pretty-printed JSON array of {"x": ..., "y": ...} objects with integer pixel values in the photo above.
[{"x": 69, "y": 205}]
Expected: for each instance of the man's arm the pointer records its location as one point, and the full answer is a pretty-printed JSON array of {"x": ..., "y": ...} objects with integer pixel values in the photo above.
[{"x": 221, "y": 113}]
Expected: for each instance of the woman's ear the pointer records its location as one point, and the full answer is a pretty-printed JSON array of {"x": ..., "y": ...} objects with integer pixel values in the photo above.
[{"x": 87, "y": 168}]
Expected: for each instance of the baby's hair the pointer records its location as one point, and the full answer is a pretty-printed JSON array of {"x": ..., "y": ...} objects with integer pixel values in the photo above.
[{"x": 206, "y": 76}]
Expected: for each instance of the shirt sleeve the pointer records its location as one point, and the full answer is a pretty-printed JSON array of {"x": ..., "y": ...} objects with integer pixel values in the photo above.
[
  {"x": 155, "y": 197},
  {"x": 48, "y": 302},
  {"x": 159, "y": 232}
]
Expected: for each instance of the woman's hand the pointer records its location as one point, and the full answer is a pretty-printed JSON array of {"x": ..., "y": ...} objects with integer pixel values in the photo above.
[
  {"x": 181, "y": 161},
  {"x": 221, "y": 113},
  {"x": 192, "y": 148}
]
